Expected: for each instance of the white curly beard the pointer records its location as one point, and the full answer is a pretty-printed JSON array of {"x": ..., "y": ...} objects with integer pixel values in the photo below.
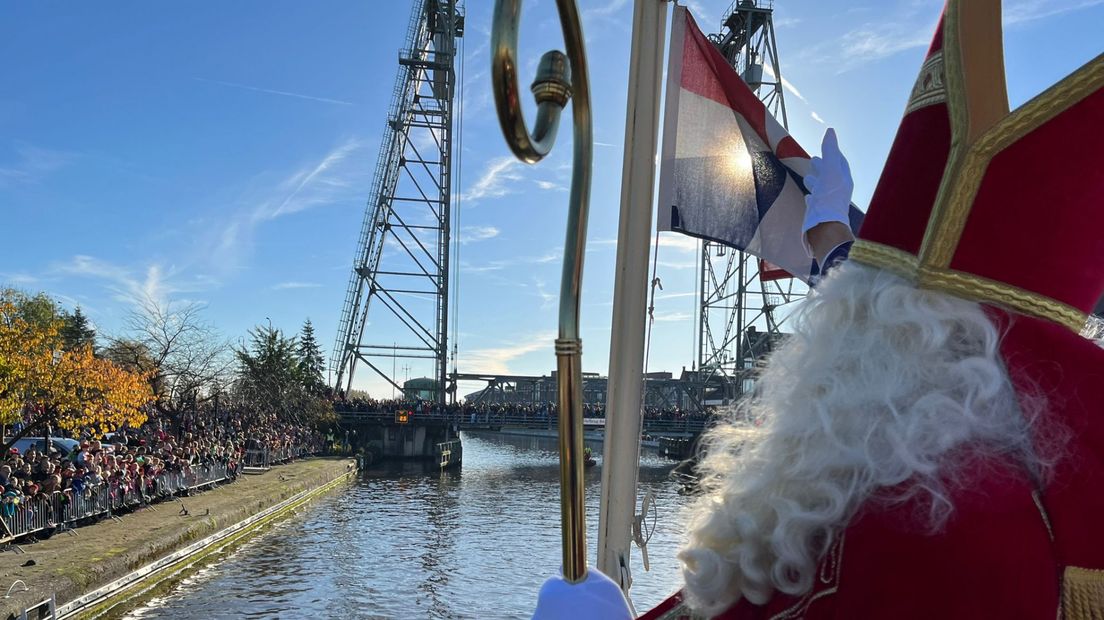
[{"x": 878, "y": 384}]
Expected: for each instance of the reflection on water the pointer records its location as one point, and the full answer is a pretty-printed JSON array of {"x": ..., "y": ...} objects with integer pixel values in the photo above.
[{"x": 406, "y": 541}]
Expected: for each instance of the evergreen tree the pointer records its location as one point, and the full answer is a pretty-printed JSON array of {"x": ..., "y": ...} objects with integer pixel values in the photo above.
[
  {"x": 270, "y": 379},
  {"x": 268, "y": 373},
  {"x": 76, "y": 332},
  {"x": 311, "y": 362}
]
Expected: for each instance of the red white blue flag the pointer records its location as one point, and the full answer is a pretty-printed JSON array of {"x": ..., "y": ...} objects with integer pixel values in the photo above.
[{"x": 730, "y": 172}]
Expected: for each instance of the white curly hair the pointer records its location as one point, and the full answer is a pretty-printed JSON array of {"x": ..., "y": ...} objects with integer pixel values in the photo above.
[{"x": 880, "y": 384}]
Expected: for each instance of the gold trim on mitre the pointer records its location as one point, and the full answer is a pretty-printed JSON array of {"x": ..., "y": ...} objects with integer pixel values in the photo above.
[
  {"x": 1082, "y": 594},
  {"x": 976, "y": 98},
  {"x": 981, "y": 128},
  {"x": 967, "y": 285},
  {"x": 953, "y": 207}
]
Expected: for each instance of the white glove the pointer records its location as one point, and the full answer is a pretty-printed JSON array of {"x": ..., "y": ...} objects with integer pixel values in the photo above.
[
  {"x": 595, "y": 598},
  {"x": 830, "y": 186}
]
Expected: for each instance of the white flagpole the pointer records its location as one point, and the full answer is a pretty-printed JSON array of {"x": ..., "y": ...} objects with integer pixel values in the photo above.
[{"x": 621, "y": 460}]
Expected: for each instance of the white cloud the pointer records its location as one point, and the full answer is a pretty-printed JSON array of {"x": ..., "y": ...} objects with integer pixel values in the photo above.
[
  {"x": 910, "y": 26},
  {"x": 769, "y": 72},
  {"x": 875, "y": 42},
  {"x": 547, "y": 299},
  {"x": 312, "y": 186},
  {"x": 282, "y": 93},
  {"x": 32, "y": 164},
  {"x": 673, "y": 317},
  {"x": 338, "y": 176},
  {"x": 549, "y": 185},
  {"x": 675, "y": 295},
  {"x": 550, "y": 257},
  {"x": 678, "y": 241},
  {"x": 135, "y": 286},
  {"x": 906, "y": 26},
  {"x": 605, "y": 10},
  {"x": 1022, "y": 11},
  {"x": 677, "y": 264},
  {"x": 283, "y": 286},
  {"x": 466, "y": 267},
  {"x": 497, "y": 360},
  {"x": 17, "y": 278},
  {"x": 75, "y": 303},
  {"x": 786, "y": 84},
  {"x": 698, "y": 10},
  {"x": 494, "y": 182},
  {"x": 472, "y": 234},
  {"x": 817, "y": 118}
]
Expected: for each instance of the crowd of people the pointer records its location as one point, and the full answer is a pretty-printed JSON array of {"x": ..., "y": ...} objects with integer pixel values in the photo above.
[
  {"x": 487, "y": 411},
  {"x": 134, "y": 466}
]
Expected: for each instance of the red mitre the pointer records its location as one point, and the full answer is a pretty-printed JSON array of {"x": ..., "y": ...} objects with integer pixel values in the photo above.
[
  {"x": 1001, "y": 208},
  {"x": 1008, "y": 209}
]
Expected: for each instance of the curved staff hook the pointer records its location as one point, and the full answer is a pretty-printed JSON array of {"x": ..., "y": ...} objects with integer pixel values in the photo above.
[{"x": 552, "y": 89}]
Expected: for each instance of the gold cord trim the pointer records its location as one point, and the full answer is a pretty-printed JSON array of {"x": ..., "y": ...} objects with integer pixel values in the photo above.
[
  {"x": 934, "y": 243},
  {"x": 885, "y": 257},
  {"x": 931, "y": 85},
  {"x": 1048, "y": 104},
  {"x": 950, "y": 215},
  {"x": 967, "y": 285},
  {"x": 1082, "y": 594},
  {"x": 679, "y": 612}
]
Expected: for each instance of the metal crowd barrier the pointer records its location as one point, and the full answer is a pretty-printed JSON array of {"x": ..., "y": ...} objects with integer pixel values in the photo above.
[
  {"x": 36, "y": 514},
  {"x": 256, "y": 459},
  {"x": 261, "y": 459}
]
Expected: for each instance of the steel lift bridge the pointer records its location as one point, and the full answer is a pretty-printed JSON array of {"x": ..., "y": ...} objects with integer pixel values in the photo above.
[
  {"x": 743, "y": 303},
  {"x": 401, "y": 269}
]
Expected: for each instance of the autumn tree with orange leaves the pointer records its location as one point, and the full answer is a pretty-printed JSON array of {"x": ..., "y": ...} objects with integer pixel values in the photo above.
[{"x": 42, "y": 383}]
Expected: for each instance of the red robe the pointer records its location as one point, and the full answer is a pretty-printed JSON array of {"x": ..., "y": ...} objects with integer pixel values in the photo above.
[{"x": 1010, "y": 550}]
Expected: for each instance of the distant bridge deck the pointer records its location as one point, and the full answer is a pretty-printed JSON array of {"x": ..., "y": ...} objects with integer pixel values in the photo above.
[{"x": 494, "y": 422}]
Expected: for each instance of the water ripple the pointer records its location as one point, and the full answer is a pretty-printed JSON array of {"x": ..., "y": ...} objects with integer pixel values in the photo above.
[{"x": 407, "y": 542}]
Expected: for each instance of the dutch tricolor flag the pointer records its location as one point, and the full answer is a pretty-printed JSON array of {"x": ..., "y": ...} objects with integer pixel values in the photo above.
[{"x": 729, "y": 171}]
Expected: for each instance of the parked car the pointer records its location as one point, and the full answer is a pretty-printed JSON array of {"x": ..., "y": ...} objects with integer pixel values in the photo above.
[{"x": 62, "y": 445}]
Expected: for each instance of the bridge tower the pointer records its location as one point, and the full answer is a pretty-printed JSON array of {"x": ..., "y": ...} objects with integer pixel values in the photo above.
[
  {"x": 742, "y": 303},
  {"x": 401, "y": 268}
]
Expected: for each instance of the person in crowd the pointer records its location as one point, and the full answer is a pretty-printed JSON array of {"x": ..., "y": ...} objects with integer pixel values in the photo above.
[{"x": 145, "y": 463}]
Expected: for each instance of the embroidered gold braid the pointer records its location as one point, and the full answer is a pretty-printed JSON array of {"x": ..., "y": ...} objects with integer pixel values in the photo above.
[
  {"x": 967, "y": 285},
  {"x": 958, "y": 110},
  {"x": 1048, "y": 104},
  {"x": 885, "y": 257},
  {"x": 680, "y": 612},
  {"x": 950, "y": 214},
  {"x": 1082, "y": 594}
]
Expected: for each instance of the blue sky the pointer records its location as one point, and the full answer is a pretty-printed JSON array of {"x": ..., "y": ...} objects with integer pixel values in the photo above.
[{"x": 222, "y": 153}]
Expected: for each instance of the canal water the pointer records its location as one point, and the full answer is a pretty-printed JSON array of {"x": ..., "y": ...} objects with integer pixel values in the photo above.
[{"x": 406, "y": 541}]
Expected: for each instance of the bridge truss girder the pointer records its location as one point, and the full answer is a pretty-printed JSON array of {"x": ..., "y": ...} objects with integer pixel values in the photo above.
[{"x": 401, "y": 269}]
